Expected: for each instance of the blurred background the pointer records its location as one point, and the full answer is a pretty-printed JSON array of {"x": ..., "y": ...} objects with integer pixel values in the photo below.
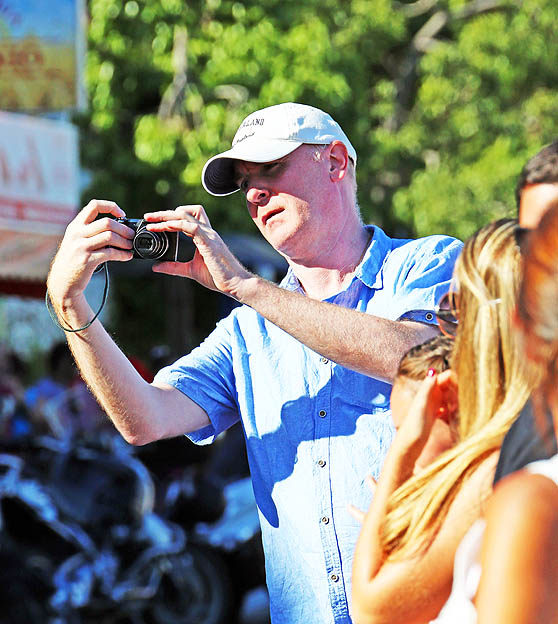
[{"x": 444, "y": 101}]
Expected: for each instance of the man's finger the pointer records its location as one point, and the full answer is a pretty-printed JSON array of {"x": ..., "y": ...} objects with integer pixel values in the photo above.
[
  {"x": 99, "y": 206},
  {"x": 111, "y": 254},
  {"x": 173, "y": 226},
  {"x": 172, "y": 268},
  {"x": 161, "y": 215},
  {"x": 108, "y": 225},
  {"x": 196, "y": 211},
  {"x": 108, "y": 238},
  {"x": 193, "y": 212}
]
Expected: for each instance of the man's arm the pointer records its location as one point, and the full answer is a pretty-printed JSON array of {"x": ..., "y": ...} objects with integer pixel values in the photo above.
[
  {"x": 367, "y": 344},
  {"x": 142, "y": 412},
  {"x": 362, "y": 342}
]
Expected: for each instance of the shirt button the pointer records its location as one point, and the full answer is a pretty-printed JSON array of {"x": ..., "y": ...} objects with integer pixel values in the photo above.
[
  {"x": 429, "y": 316},
  {"x": 325, "y": 519},
  {"x": 324, "y": 360},
  {"x": 334, "y": 577},
  {"x": 323, "y": 413},
  {"x": 321, "y": 463}
]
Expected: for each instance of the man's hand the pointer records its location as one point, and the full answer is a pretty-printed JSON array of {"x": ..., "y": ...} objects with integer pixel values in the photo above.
[
  {"x": 213, "y": 265},
  {"x": 87, "y": 243}
]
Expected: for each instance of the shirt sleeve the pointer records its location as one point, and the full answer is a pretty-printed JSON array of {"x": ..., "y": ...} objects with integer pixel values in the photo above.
[
  {"x": 206, "y": 376},
  {"x": 425, "y": 277}
]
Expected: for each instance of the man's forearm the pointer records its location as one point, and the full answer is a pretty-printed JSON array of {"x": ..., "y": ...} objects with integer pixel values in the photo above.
[
  {"x": 112, "y": 378},
  {"x": 142, "y": 412},
  {"x": 132, "y": 404},
  {"x": 367, "y": 344}
]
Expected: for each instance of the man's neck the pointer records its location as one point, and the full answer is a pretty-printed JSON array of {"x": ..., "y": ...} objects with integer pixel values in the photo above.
[{"x": 329, "y": 276}]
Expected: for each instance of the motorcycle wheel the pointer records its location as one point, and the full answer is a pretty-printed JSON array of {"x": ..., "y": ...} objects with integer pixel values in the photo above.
[{"x": 195, "y": 589}]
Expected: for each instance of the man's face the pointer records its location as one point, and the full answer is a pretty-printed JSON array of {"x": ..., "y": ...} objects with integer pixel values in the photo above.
[
  {"x": 535, "y": 201},
  {"x": 288, "y": 200}
]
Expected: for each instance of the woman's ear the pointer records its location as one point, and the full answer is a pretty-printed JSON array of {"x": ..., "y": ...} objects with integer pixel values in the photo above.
[{"x": 447, "y": 383}]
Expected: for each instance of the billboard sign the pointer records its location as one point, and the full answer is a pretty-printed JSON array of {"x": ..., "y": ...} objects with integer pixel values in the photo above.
[
  {"x": 38, "y": 192},
  {"x": 41, "y": 54}
]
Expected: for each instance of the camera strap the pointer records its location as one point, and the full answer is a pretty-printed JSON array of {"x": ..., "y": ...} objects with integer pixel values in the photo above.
[{"x": 52, "y": 313}]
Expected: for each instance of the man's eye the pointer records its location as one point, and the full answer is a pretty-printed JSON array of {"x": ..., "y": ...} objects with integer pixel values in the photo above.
[{"x": 269, "y": 168}]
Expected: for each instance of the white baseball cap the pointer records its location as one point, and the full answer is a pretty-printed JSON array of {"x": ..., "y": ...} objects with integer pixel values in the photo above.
[{"x": 269, "y": 134}]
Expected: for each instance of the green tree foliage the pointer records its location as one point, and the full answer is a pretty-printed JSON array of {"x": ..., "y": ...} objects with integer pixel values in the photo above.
[
  {"x": 170, "y": 81},
  {"x": 486, "y": 101},
  {"x": 444, "y": 100}
]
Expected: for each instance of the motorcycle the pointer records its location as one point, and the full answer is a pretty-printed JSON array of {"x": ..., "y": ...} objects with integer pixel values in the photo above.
[
  {"x": 213, "y": 502},
  {"x": 81, "y": 543}
]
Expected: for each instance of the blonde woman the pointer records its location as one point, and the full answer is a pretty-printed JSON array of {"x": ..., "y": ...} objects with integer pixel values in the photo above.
[
  {"x": 403, "y": 564},
  {"x": 514, "y": 549}
]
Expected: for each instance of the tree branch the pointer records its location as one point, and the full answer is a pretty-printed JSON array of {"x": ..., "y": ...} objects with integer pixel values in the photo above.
[{"x": 174, "y": 94}]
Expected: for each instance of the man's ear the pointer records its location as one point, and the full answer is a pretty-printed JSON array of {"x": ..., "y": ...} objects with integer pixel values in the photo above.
[
  {"x": 338, "y": 159},
  {"x": 447, "y": 383}
]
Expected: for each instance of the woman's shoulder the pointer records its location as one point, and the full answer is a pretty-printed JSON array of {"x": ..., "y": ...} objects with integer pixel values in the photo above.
[{"x": 530, "y": 494}]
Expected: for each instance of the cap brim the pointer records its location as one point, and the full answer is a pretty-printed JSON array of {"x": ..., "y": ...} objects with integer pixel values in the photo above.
[{"x": 218, "y": 173}]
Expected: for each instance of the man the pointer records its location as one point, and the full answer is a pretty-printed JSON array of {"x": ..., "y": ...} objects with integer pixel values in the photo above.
[
  {"x": 306, "y": 367},
  {"x": 537, "y": 187},
  {"x": 536, "y": 192}
]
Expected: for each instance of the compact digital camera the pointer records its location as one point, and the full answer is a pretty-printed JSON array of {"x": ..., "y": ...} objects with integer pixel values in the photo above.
[{"x": 161, "y": 246}]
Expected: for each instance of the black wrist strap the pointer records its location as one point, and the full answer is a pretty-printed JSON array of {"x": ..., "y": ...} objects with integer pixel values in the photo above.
[{"x": 54, "y": 318}]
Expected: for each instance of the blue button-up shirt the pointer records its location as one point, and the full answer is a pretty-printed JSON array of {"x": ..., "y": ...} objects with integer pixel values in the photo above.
[{"x": 313, "y": 429}]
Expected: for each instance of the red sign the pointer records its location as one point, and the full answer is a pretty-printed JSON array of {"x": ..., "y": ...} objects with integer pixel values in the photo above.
[{"x": 38, "y": 192}]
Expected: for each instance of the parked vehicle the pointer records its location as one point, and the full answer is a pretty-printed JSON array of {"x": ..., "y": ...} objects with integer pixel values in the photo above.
[
  {"x": 80, "y": 542},
  {"x": 214, "y": 503}
]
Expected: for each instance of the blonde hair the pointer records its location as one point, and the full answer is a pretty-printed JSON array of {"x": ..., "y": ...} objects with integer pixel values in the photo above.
[{"x": 492, "y": 388}]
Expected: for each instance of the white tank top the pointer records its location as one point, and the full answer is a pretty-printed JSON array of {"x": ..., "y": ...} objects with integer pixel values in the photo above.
[{"x": 459, "y": 608}]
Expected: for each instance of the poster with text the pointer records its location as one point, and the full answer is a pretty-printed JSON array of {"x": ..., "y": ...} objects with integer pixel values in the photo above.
[{"x": 38, "y": 192}]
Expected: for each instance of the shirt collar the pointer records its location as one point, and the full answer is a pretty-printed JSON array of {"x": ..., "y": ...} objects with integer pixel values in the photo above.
[{"x": 369, "y": 271}]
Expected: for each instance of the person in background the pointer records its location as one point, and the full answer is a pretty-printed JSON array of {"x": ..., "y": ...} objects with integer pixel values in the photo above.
[
  {"x": 305, "y": 366},
  {"x": 536, "y": 192},
  {"x": 60, "y": 402},
  {"x": 403, "y": 563},
  {"x": 16, "y": 420},
  {"x": 432, "y": 356},
  {"x": 537, "y": 186},
  {"x": 61, "y": 372},
  {"x": 514, "y": 548}
]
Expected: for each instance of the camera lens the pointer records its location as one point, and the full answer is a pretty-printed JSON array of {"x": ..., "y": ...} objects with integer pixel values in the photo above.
[{"x": 150, "y": 245}]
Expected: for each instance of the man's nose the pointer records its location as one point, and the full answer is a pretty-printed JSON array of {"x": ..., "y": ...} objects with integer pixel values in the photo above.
[{"x": 256, "y": 195}]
